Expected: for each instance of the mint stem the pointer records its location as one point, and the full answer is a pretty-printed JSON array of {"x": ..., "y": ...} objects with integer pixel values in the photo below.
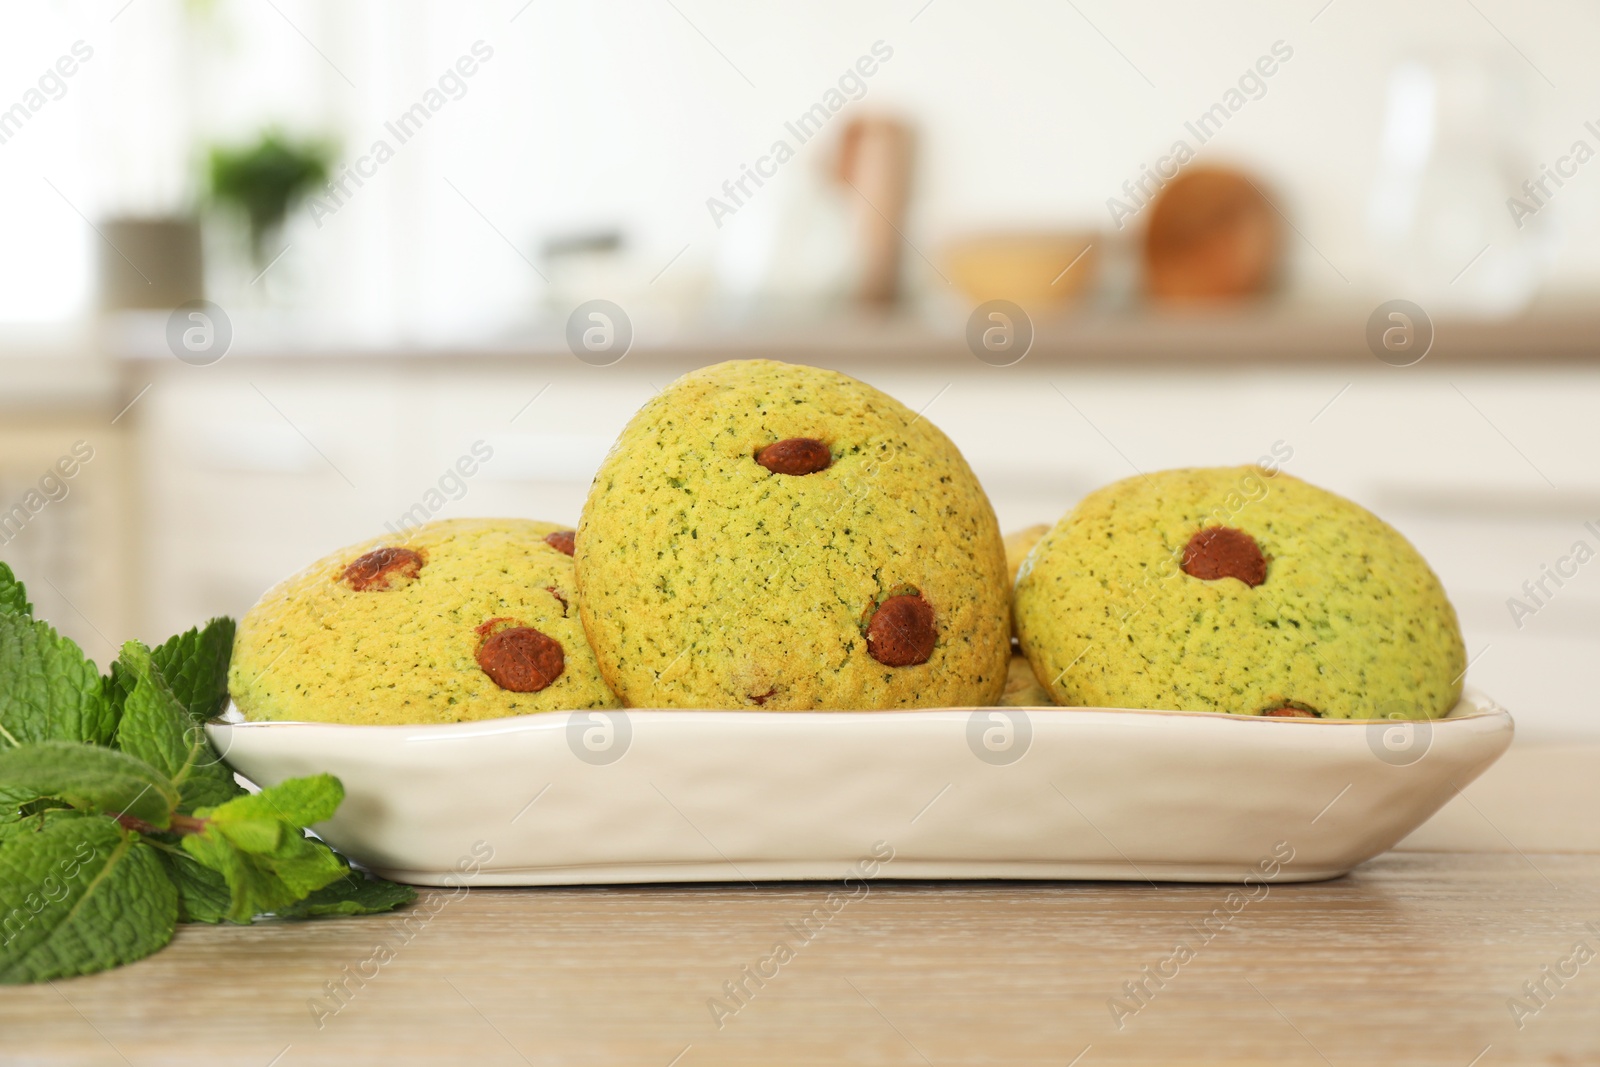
[
  {"x": 180, "y": 824},
  {"x": 129, "y": 822}
]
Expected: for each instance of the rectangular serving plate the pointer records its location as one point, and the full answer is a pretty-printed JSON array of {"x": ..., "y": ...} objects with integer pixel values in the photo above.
[{"x": 730, "y": 796}]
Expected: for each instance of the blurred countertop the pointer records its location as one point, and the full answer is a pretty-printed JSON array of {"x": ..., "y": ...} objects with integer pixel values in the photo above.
[{"x": 1267, "y": 338}]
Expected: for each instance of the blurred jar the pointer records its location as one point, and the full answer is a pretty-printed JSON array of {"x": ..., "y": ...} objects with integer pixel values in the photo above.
[{"x": 1453, "y": 153}]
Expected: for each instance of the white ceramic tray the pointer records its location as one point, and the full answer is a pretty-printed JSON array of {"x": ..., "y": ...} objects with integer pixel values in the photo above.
[{"x": 694, "y": 796}]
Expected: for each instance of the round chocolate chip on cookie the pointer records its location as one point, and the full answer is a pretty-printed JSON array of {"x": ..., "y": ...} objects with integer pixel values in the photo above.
[
  {"x": 383, "y": 569},
  {"x": 902, "y": 631},
  {"x": 520, "y": 659},
  {"x": 1223, "y": 552}
]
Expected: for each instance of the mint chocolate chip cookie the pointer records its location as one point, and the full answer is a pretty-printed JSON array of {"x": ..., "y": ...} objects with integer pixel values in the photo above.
[
  {"x": 780, "y": 537},
  {"x": 455, "y": 620},
  {"x": 1236, "y": 590}
]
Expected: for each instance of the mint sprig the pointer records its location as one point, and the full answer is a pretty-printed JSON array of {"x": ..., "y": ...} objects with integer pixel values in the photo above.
[
  {"x": 118, "y": 819},
  {"x": 255, "y": 843}
]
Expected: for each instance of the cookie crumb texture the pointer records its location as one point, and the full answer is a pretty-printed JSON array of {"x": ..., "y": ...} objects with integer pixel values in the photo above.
[
  {"x": 314, "y": 649},
  {"x": 709, "y": 580},
  {"x": 1348, "y": 622}
]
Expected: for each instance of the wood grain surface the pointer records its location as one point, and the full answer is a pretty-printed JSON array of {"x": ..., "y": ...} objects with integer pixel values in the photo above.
[
  {"x": 1416, "y": 958},
  {"x": 1409, "y": 960}
]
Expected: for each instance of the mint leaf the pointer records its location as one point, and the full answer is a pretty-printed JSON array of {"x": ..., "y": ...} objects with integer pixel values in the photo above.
[
  {"x": 204, "y": 896},
  {"x": 157, "y": 728},
  {"x": 354, "y": 894},
  {"x": 202, "y": 893},
  {"x": 266, "y": 879},
  {"x": 48, "y": 690},
  {"x": 31, "y": 826},
  {"x": 195, "y": 665},
  {"x": 13, "y": 597},
  {"x": 90, "y": 778},
  {"x": 256, "y": 843},
  {"x": 300, "y": 801},
  {"x": 79, "y": 894},
  {"x": 116, "y": 685}
]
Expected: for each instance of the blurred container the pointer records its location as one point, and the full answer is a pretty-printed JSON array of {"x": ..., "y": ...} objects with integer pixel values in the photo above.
[
  {"x": 584, "y": 265},
  {"x": 876, "y": 155},
  {"x": 1212, "y": 237},
  {"x": 1030, "y": 269},
  {"x": 1452, "y": 156},
  {"x": 150, "y": 263}
]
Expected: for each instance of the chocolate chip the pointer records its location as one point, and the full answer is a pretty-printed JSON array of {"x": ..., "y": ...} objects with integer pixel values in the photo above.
[
  {"x": 1289, "y": 711},
  {"x": 383, "y": 569},
  {"x": 797, "y": 455},
  {"x": 1223, "y": 552},
  {"x": 902, "y": 632},
  {"x": 562, "y": 541},
  {"x": 521, "y": 659}
]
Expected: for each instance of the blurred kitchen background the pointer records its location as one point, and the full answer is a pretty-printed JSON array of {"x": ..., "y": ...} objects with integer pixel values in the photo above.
[{"x": 1198, "y": 221}]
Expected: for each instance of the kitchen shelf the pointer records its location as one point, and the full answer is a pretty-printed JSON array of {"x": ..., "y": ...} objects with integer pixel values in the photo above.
[{"x": 1276, "y": 338}]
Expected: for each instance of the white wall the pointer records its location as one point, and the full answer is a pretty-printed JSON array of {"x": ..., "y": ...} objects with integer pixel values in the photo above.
[{"x": 634, "y": 113}]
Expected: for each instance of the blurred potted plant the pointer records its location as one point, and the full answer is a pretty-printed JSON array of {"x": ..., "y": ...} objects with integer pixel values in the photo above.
[{"x": 264, "y": 180}]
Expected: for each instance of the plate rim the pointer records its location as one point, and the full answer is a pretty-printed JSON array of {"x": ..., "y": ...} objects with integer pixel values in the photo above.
[{"x": 1473, "y": 706}]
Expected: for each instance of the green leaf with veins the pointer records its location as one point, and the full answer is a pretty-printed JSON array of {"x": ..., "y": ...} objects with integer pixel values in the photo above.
[
  {"x": 265, "y": 880},
  {"x": 195, "y": 665},
  {"x": 300, "y": 801},
  {"x": 33, "y": 825},
  {"x": 354, "y": 894},
  {"x": 78, "y": 893},
  {"x": 89, "y": 778},
  {"x": 116, "y": 685},
  {"x": 256, "y": 843},
  {"x": 157, "y": 728},
  {"x": 203, "y": 895},
  {"x": 12, "y": 799},
  {"x": 13, "y": 597},
  {"x": 49, "y": 691}
]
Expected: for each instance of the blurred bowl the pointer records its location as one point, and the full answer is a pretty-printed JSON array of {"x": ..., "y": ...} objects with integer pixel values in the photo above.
[
  {"x": 1213, "y": 237},
  {"x": 1030, "y": 269}
]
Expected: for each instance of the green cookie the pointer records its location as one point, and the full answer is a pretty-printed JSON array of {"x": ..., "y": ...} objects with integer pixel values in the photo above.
[
  {"x": 1237, "y": 590},
  {"x": 772, "y": 536},
  {"x": 456, "y": 620}
]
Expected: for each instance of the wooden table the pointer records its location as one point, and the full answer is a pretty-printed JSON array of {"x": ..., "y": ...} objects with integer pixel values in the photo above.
[{"x": 1412, "y": 959}]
